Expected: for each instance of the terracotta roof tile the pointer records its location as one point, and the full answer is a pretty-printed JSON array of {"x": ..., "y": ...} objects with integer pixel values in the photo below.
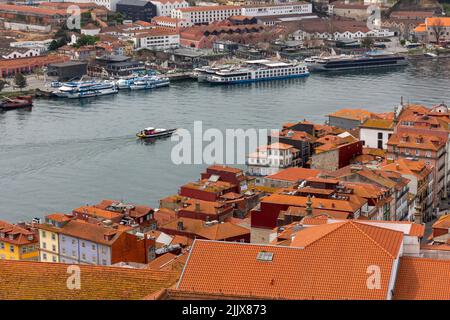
[
  {"x": 294, "y": 174},
  {"x": 423, "y": 279},
  {"x": 46, "y": 281},
  {"x": 331, "y": 268}
]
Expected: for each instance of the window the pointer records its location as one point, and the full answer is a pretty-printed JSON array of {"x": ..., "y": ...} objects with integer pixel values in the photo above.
[
  {"x": 44, "y": 256},
  {"x": 83, "y": 256},
  {"x": 380, "y": 144},
  {"x": 44, "y": 234},
  {"x": 53, "y": 247},
  {"x": 93, "y": 247},
  {"x": 380, "y": 135},
  {"x": 44, "y": 245},
  {"x": 83, "y": 244},
  {"x": 53, "y": 236},
  {"x": 11, "y": 248},
  {"x": 24, "y": 249},
  {"x": 2, "y": 245},
  {"x": 54, "y": 258}
]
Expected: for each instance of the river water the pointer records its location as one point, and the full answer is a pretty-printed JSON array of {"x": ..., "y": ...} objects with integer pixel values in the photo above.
[{"x": 64, "y": 154}]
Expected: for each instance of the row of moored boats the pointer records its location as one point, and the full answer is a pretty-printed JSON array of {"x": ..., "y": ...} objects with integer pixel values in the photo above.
[
  {"x": 94, "y": 88},
  {"x": 248, "y": 71},
  {"x": 262, "y": 70}
]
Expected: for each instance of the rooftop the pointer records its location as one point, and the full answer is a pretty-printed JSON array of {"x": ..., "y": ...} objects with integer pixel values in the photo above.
[
  {"x": 423, "y": 279},
  {"x": 26, "y": 280},
  {"x": 319, "y": 271},
  {"x": 293, "y": 174}
]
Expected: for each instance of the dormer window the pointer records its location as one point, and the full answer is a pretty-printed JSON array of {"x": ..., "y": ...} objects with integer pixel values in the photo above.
[
  {"x": 30, "y": 237},
  {"x": 2, "y": 234},
  {"x": 11, "y": 237},
  {"x": 405, "y": 138}
]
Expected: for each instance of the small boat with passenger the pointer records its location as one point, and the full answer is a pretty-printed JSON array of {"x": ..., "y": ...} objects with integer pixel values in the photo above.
[{"x": 151, "y": 132}]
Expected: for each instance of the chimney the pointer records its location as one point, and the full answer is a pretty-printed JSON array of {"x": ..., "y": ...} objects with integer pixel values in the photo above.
[
  {"x": 309, "y": 209},
  {"x": 417, "y": 214},
  {"x": 180, "y": 225}
]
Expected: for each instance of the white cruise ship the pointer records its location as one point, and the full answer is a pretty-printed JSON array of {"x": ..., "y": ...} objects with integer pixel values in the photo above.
[
  {"x": 85, "y": 89},
  {"x": 259, "y": 70}
]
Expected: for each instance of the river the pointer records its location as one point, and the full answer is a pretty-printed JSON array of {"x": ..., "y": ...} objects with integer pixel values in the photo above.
[{"x": 64, "y": 154}]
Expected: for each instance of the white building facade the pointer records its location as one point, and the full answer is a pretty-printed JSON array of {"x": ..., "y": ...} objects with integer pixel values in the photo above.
[
  {"x": 157, "y": 40},
  {"x": 205, "y": 15},
  {"x": 376, "y": 133},
  {"x": 277, "y": 9},
  {"x": 270, "y": 159},
  {"x": 165, "y": 7}
]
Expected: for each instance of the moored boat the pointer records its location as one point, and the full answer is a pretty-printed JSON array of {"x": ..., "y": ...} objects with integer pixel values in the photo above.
[
  {"x": 372, "y": 59},
  {"x": 259, "y": 70},
  {"x": 151, "y": 132},
  {"x": 17, "y": 103},
  {"x": 85, "y": 89},
  {"x": 149, "y": 82}
]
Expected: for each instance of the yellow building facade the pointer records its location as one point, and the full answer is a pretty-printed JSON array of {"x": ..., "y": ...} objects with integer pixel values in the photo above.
[
  {"x": 18, "y": 243},
  {"x": 48, "y": 246}
]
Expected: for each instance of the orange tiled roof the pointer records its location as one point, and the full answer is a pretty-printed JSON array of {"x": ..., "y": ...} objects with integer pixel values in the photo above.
[
  {"x": 97, "y": 212},
  {"x": 354, "y": 114},
  {"x": 438, "y": 21},
  {"x": 88, "y": 231},
  {"x": 388, "y": 240},
  {"x": 294, "y": 174},
  {"x": 20, "y": 234},
  {"x": 378, "y": 124},
  {"x": 423, "y": 279},
  {"x": 331, "y": 268},
  {"x": 217, "y": 167},
  {"x": 217, "y": 231},
  {"x": 31, "y": 62},
  {"x": 317, "y": 203},
  {"x": 407, "y": 227},
  {"x": 443, "y": 222},
  {"x": 48, "y": 281},
  {"x": 206, "y": 207},
  {"x": 58, "y": 217},
  {"x": 404, "y": 166},
  {"x": 410, "y": 140}
]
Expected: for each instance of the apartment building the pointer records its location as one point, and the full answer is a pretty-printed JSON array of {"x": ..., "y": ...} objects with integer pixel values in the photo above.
[
  {"x": 18, "y": 242},
  {"x": 205, "y": 14},
  {"x": 277, "y": 9},
  {"x": 269, "y": 159},
  {"x": 65, "y": 239},
  {"x": 157, "y": 39},
  {"x": 164, "y": 7}
]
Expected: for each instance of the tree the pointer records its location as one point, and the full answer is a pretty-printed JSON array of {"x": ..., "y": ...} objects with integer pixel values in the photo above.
[
  {"x": 85, "y": 40},
  {"x": 367, "y": 42},
  {"x": 2, "y": 84},
  {"x": 437, "y": 26},
  {"x": 20, "y": 81}
]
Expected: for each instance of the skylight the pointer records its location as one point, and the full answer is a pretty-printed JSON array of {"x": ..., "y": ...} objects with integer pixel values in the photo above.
[{"x": 264, "y": 256}]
